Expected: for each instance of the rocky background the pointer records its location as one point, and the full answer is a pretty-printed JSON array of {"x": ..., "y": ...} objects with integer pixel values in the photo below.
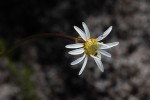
[{"x": 40, "y": 68}]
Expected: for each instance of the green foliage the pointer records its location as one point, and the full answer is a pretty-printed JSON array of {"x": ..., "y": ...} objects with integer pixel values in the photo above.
[
  {"x": 2, "y": 46},
  {"x": 23, "y": 79},
  {"x": 22, "y": 76}
]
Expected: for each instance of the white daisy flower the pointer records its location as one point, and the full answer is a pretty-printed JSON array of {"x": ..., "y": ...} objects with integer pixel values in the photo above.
[{"x": 90, "y": 47}]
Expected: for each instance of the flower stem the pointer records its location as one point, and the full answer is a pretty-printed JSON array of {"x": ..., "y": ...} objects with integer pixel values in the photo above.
[{"x": 24, "y": 40}]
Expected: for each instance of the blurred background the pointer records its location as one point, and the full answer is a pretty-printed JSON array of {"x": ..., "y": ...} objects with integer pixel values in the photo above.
[{"x": 40, "y": 68}]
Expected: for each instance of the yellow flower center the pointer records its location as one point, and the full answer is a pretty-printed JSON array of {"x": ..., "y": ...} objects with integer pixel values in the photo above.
[{"x": 91, "y": 46}]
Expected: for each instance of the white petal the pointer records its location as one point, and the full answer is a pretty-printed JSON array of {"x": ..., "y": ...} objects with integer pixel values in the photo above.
[
  {"x": 81, "y": 33},
  {"x": 76, "y": 51},
  {"x": 77, "y": 45},
  {"x": 108, "y": 45},
  {"x": 99, "y": 55},
  {"x": 105, "y": 53},
  {"x": 83, "y": 66},
  {"x": 86, "y": 30},
  {"x": 104, "y": 34},
  {"x": 112, "y": 44},
  {"x": 103, "y": 46},
  {"x": 78, "y": 60},
  {"x": 99, "y": 63}
]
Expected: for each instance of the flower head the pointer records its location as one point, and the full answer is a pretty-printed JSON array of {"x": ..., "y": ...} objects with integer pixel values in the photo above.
[{"x": 90, "y": 47}]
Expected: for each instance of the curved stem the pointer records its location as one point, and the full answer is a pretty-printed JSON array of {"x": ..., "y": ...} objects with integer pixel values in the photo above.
[{"x": 58, "y": 35}]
